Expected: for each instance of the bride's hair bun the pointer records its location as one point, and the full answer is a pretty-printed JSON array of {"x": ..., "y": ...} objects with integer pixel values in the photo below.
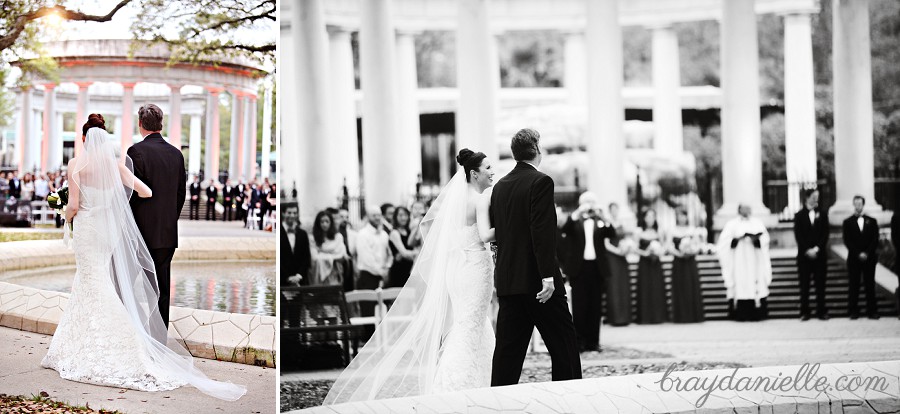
[
  {"x": 94, "y": 121},
  {"x": 469, "y": 160}
]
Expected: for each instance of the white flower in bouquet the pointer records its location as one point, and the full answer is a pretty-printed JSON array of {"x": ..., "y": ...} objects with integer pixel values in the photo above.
[
  {"x": 655, "y": 248},
  {"x": 627, "y": 246}
]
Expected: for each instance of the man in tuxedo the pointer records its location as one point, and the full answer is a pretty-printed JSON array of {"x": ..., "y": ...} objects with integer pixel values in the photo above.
[
  {"x": 811, "y": 233},
  {"x": 239, "y": 195},
  {"x": 254, "y": 203},
  {"x": 585, "y": 231},
  {"x": 15, "y": 186},
  {"x": 861, "y": 238},
  {"x": 161, "y": 166},
  {"x": 387, "y": 212},
  {"x": 527, "y": 278},
  {"x": 227, "y": 200},
  {"x": 211, "y": 194},
  {"x": 295, "y": 254},
  {"x": 195, "y": 199}
]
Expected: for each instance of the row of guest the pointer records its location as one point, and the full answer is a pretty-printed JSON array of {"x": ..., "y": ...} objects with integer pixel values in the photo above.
[
  {"x": 31, "y": 187},
  {"x": 238, "y": 201}
]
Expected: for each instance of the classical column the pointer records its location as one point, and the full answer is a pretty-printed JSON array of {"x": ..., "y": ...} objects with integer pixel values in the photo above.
[
  {"x": 854, "y": 155},
  {"x": 175, "y": 116},
  {"x": 343, "y": 107},
  {"x": 126, "y": 135},
  {"x": 81, "y": 114},
  {"x": 212, "y": 140},
  {"x": 741, "y": 144},
  {"x": 194, "y": 146},
  {"x": 249, "y": 158},
  {"x": 799, "y": 104},
  {"x": 409, "y": 132},
  {"x": 668, "y": 137},
  {"x": 56, "y": 150},
  {"x": 476, "y": 73},
  {"x": 236, "y": 141},
  {"x": 382, "y": 177},
  {"x": 267, "y": 132},
  {"x": 575, "y": 66},
  {"x": 24, "y": 141},
  {"x": 49, "y": 128},
  {"x": 606, "y": 111}
]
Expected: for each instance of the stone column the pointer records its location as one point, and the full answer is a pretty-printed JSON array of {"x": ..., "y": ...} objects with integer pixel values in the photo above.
[
  {"x": 126, "y": 135},
  {"x": 668, "y": 136},
  {"x": 267, "y": 133},
  {"x": 24, "y": 141},
  {"x": 410, "y": 135},
  {"x": 606, "y": 111},
  {"x": 249, "y": 159},
  {"x": 194, "y": 146},
  {"x": 741, "y": 143},
  {"x": 56, "y": 150},
  {"x": 81, "y": 114},
  {"x": 49, "y": 128},
  {"x": 175, "y": 116},
  {"x": 343, "y": 107},
  {"x": 382, "y": 177},
  {"x": 854, "y": 154},
  {"x": 575, "y": 61},
  {"x": 476, "y": 75},
  {"x": 799, "y": 105},
  {"x": 237, "y": 129},
  {"x": 212, "y": 141}
]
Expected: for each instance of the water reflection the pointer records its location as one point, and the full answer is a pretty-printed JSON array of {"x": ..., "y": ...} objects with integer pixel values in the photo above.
[{"x": 229, "y": 286}]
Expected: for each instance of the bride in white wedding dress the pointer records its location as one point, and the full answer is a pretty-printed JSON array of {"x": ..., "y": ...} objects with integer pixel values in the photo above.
[
  {"x": 437, "y": 335},
  {"x": 106, "y": 334}
]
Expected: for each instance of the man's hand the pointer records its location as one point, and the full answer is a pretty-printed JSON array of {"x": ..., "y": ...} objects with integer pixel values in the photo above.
[
  {"x": 544, "y": 295},
  {"x": 863, "y": 256},
  {"x": 812, "y": 253},
  {"x": 295, "y": 279}
]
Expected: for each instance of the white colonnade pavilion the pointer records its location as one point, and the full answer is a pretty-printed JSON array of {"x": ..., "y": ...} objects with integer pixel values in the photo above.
[
  {"x": 108, "y": 77},
  {"x": 320, "y": 128}
]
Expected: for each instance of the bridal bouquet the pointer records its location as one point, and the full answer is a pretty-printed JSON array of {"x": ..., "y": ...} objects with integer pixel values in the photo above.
[
  {"x": 655, "y": 248},
  {"x": 58, "y": 200},
  {"x": 627, "y": 246}
]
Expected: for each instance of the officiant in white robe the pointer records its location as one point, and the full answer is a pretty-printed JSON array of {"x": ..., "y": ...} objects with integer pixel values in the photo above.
[{"x": 743, "y": 250}]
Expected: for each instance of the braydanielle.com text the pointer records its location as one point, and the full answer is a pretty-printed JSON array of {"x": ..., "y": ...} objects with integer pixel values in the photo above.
[{"x": 806, "y": 378}]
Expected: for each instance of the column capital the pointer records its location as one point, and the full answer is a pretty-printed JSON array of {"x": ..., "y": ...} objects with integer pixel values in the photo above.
[
  {"x": 251, "y": 97},
  {"x": 407, "y": 32},
  {"x": 237, "y": 92},
  {"x": 334, "y": 29},
  {"x": 175, "y": 87},
  {"x": 798, "y": 12},
  {"x": 83, "y": 85},
  {"x": 49, "y": 86},
  {"x": 128, "y": 85},
  {"x": 215, "y": 90}
]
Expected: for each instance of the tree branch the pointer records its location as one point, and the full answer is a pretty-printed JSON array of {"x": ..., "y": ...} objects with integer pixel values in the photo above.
[{"x": 22, "y": 21}]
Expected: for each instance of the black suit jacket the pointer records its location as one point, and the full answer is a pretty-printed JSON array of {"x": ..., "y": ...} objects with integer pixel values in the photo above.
[
  {"x": 861, "y": 242},
  {"x": 195, "y": 190},
  {"x": 524, "y": 219},
  {"x": 161, "y": 166},
  {"x": 15, "y": 188},
  {"x": 297, "y": 260},
  {"x": 573, "y": 231},
  {"x": 211, "y": 193},
  {"x": 809, "y": 235},
  {"x": 227, "y": 194}
]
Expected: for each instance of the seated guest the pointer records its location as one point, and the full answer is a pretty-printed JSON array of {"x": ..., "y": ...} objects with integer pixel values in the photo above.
[
  {"x": 404, "y": 253},
  {"x": 328, "y": 253},
  {"x": 618, "y": 280},
  {"x": 687, "y": 300},
  {"x": 743, "y": 250},
  {"x": 651, "y": 286},
  {"x": 861, "y": 238},
  {"x": 295, "y": 254}
]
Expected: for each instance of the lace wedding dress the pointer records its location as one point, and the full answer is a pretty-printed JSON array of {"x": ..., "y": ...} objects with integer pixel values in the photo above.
[
  {"x": 111, "y": 332},
  {"x": 467, "y": 350}
]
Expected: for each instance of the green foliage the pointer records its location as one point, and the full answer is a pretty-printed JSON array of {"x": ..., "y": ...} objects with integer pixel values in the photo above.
[
  {"x": 209, "y": 30},
  {"x": 773, "y": 147},
  {"x": 435, "y": 59},
  {"x": 530, "y": 59}
]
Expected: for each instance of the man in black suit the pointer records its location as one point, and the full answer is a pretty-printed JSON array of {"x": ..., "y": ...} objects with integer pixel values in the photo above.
[
  {"x": 15, "y": 186},
  {"x": 239, "y": 195},
  {"x": 895, "y": 239},
  {"x": 211, "y": 194},
  {"x": 527, "y": 278},
  {"x": 295, "y": 254},
  {"x": 811, "y": 233},
  {"x": 861, "y": 238},
  {"x": 586, "y": 231},
  {"x": 195, "y": 199},
  {"x": 161, "y": 166},
  {"x": 227, "y": 201}
]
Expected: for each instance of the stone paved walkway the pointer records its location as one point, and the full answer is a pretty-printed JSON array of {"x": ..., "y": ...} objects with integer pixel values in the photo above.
[{"x": 22, "y": 374}]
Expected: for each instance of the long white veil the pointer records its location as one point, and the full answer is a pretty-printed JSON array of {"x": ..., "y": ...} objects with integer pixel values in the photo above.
[
  {"x": 96, "y": 176},
  {"x": 402, "y": 356}
]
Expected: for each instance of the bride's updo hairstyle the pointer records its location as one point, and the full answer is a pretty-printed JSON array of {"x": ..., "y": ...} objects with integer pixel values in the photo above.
[
  {"x": 94, "y": 121},
  {"x": 470, "y": 161}
]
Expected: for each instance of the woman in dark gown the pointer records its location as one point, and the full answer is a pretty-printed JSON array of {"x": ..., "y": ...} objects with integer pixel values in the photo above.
[
  {"x": 404, "y": 254},
  {"x": 651, "y": 287},
  {"x": 618, "y": 281},
  {"x": 687, "y": 300}
]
